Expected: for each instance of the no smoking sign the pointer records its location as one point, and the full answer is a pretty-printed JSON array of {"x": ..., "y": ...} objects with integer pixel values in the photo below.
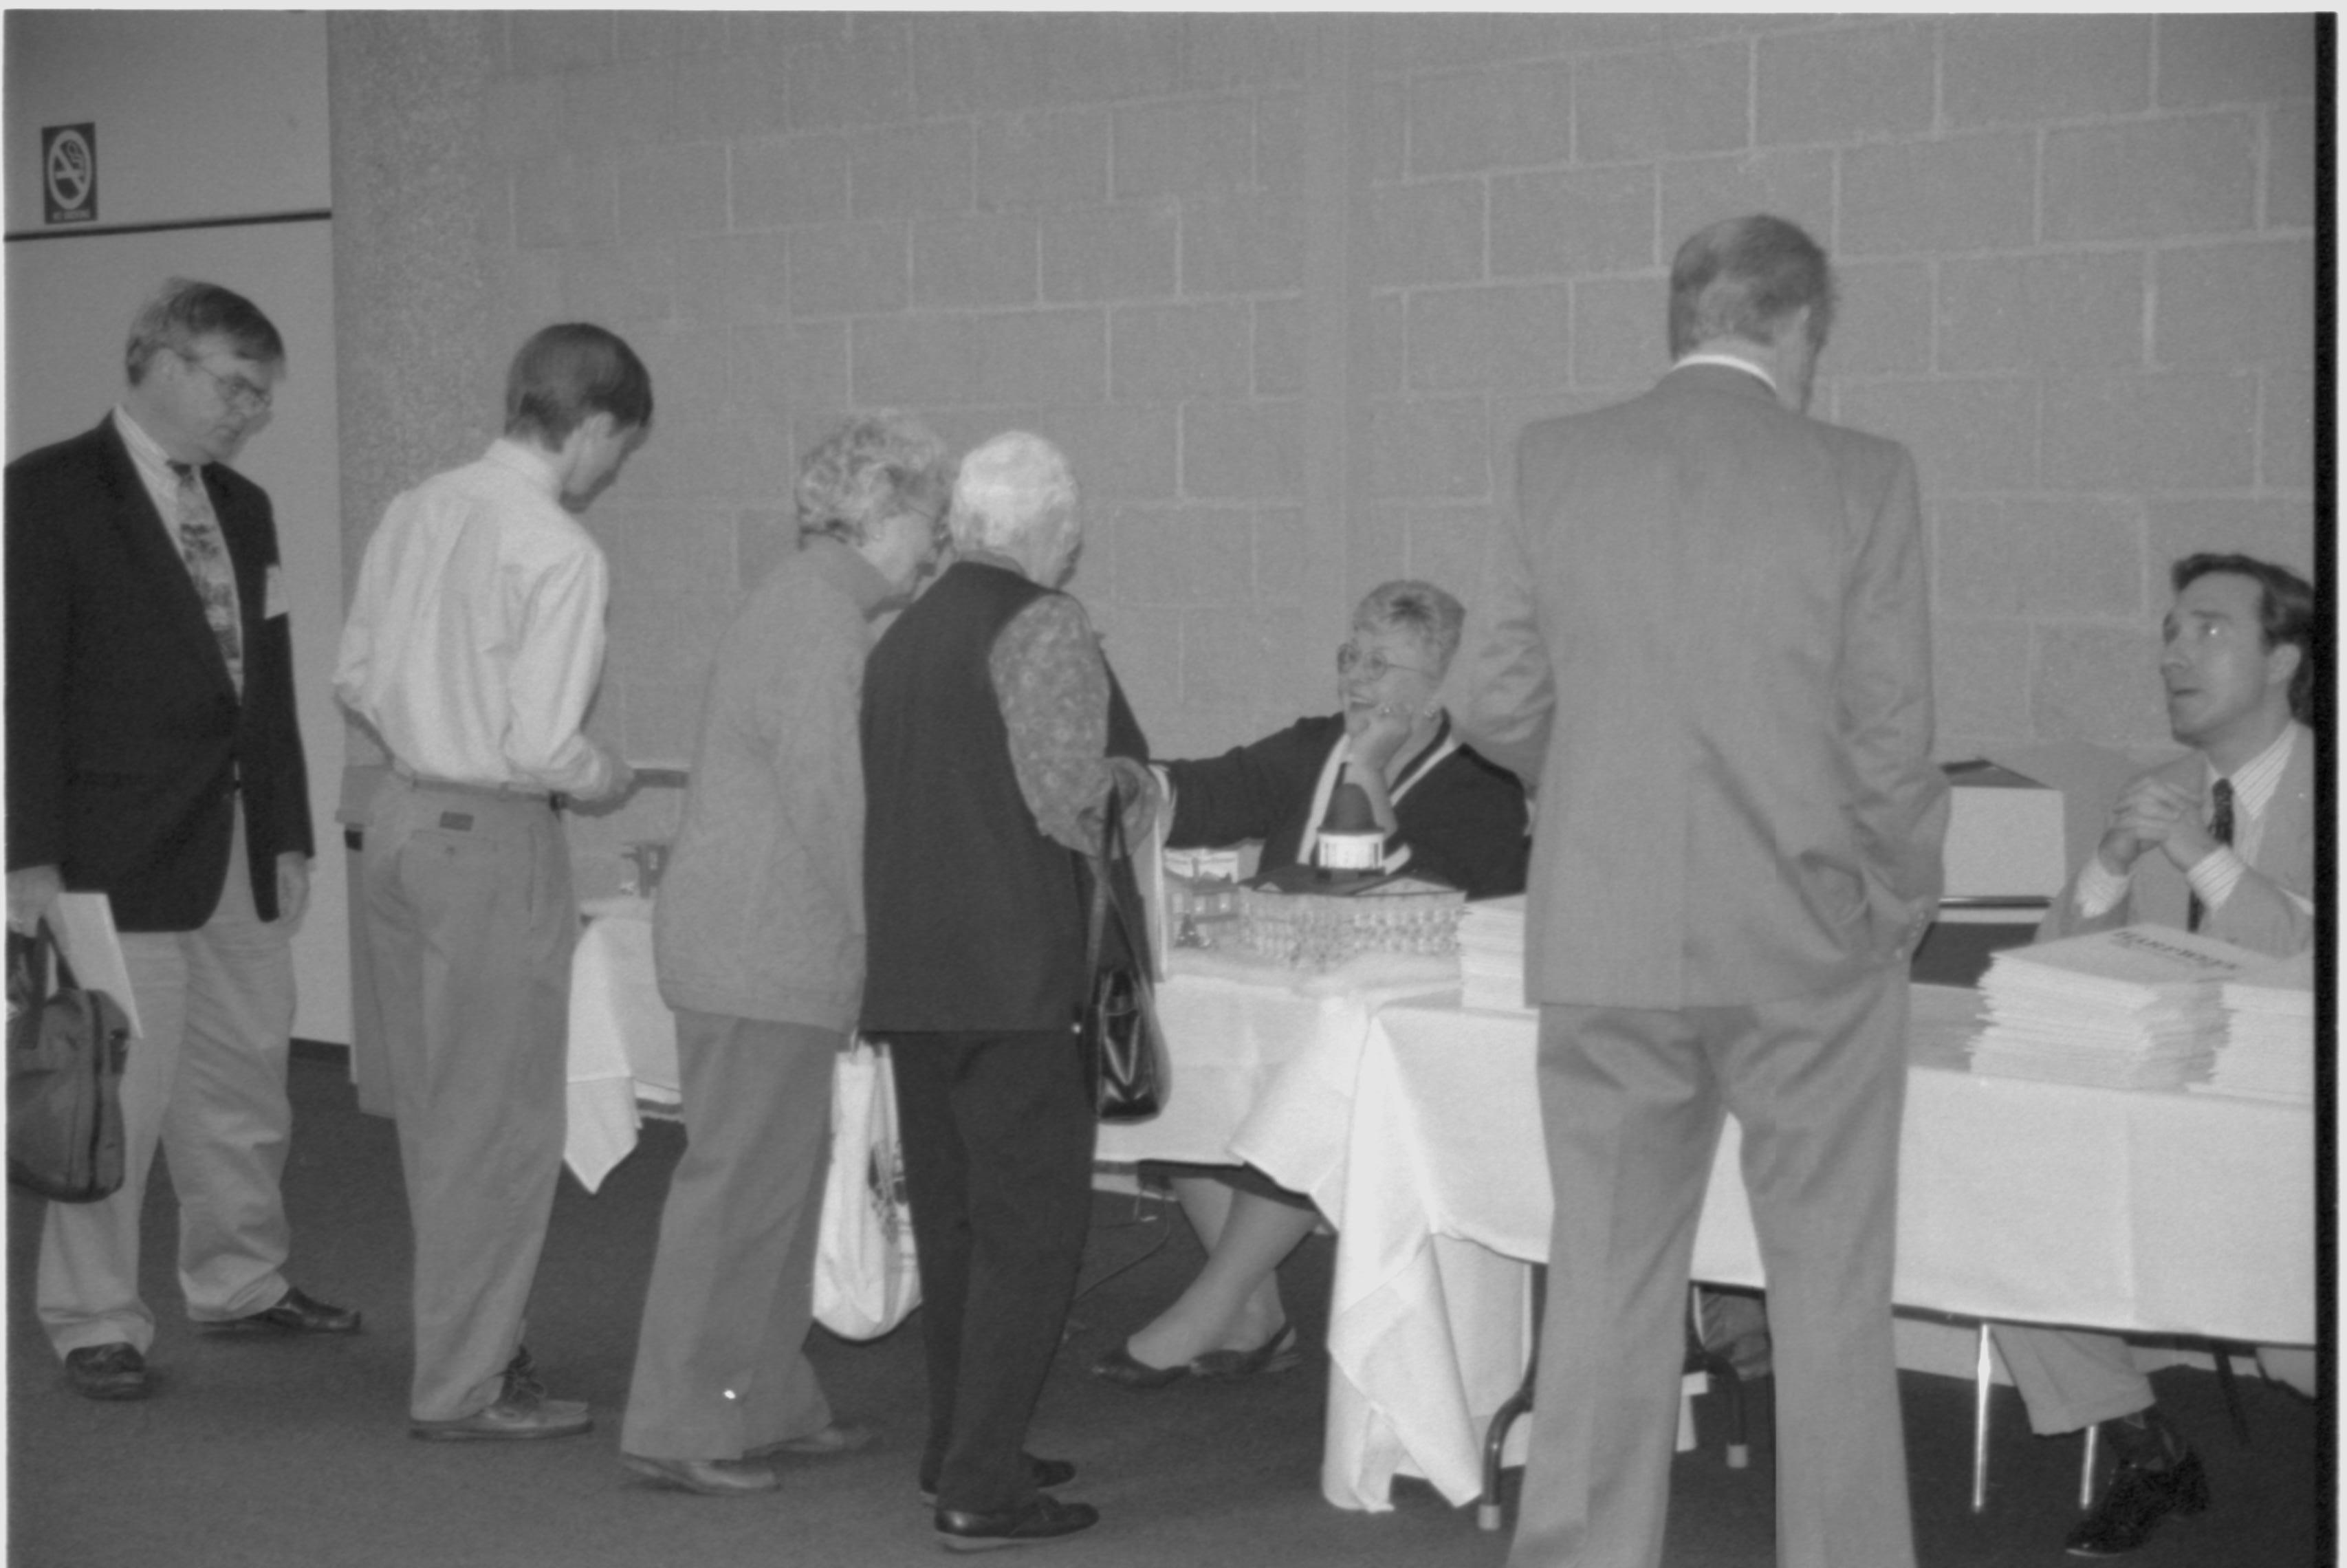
[{"x": 69, "y": 173}]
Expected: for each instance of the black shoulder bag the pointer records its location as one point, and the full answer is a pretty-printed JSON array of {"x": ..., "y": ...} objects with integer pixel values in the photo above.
[{"x": 1117, "y": 1036}]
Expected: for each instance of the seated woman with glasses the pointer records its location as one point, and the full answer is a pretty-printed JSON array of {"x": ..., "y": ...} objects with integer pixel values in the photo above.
[{"x": 1448, "y": 815}]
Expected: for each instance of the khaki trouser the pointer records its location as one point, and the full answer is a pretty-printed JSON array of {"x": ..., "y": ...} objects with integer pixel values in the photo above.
[{"x": 470, "y": 922}]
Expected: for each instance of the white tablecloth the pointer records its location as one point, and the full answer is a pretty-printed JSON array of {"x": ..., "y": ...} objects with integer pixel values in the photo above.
[
  {"x": 1414, "y": 1124},
  {"x": 2018, "y": 1201},
  {"x": 622, "y": 1038}
]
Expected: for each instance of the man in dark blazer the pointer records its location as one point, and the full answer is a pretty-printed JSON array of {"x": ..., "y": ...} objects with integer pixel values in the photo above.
[
  {"x": 1708, "y": 641},
  {"x": 153, "y": 757}
]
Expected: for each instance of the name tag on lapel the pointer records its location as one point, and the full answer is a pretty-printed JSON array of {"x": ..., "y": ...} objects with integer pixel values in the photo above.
[{"x": 273, "y": 595}]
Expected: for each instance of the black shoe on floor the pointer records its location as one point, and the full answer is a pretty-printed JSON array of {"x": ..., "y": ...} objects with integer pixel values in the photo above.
[
  {"x": 1045, "y": 1518},
  {"x": 1127, "y": 1371},
  {"x": 294, "y": 1312},
  {"x": 2137, "y": 1499},
  {"x": 116, "y": 1371}
]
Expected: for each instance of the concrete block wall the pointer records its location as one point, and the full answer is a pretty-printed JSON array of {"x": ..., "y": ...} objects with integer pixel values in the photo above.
[{"x": 1285, "y": 287}]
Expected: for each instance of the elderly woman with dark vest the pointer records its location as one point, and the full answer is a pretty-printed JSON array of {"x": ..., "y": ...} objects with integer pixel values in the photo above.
[
  {"x": 1448, "y": 815},
  {"x": 992, "y": 730}
]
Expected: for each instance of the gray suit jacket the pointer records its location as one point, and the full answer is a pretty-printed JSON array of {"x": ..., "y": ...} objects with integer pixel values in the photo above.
[
  {"x": 1709, "y": 643},
  {"x": 2259, "y": 916}
]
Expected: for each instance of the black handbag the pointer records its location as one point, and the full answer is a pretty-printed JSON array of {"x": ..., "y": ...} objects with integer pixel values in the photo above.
[
  {"x": 1123, "y": 1051},
  {"x": 66, "y": 1048}
]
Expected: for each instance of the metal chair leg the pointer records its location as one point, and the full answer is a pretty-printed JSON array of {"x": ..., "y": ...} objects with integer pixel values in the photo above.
[
  {"x": 1487, "y": 1509},
  {"x": 2223, "y": 1356},
  {"x": 2086, "y": 1467},
  {"x": 1724, "y": 1377},
  {"x": 1495, "y": 1440},
  {"x": 1984, "y": 1374}
]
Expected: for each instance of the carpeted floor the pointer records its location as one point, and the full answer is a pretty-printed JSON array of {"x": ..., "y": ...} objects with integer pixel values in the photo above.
[{"x": 295, "y": 1455}]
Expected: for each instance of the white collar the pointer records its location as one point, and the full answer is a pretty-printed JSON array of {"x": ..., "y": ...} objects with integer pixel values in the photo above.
[
  {"x": 1701, "y": 357},
  {"x": 533, "y": 463}
]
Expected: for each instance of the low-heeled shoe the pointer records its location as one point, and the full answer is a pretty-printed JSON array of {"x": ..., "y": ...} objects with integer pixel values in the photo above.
[
  {"x": 519, "y": 1416},
  {"x": 708, "y": 1476},
  {"x": 296, "y": 1313},
  {"x": 116, "y": 1371},
  {"x": 1277, "y": 1354},
  {"x": 1044, "y": 1473},
  {"x": 2137, "y": 1500},
  {"x": 838, "y": 1438},
  {"x": 1044, "y": 1519},
  {"x": 1120, "y": 1367}
]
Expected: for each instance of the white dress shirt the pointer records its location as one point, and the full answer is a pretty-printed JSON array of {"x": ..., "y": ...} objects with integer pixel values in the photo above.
[{"x": 476, "y": 637}]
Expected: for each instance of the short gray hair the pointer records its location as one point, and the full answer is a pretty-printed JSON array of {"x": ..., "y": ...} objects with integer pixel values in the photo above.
[
  {"x": 1419, "y": 608},
  {"x": 871, "y": 469},
  {"x": 1011, "y": 489},
  {"x": 1742, "y": 277},
  {"x": 185, "y": 308}
]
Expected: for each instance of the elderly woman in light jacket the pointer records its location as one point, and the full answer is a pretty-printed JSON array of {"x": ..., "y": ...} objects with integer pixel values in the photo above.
[{"x": 759, "y": 942}]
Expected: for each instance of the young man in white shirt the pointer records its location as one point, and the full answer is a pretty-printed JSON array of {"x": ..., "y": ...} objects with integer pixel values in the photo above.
[{"x": 473, "y": 645}]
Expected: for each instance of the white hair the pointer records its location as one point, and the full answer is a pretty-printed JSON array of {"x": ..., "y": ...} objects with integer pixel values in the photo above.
[{"x": 1013, "y": 489}]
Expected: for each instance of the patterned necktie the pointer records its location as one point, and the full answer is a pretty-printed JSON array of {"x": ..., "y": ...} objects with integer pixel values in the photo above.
[
  {"x": 209, "y": 566},
  {"x": 2220, "y": 828}
]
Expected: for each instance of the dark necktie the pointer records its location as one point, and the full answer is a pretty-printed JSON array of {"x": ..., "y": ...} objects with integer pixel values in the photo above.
[
  {"x": 209, "y": 566},
  {"x": 2220, "y": 828}
]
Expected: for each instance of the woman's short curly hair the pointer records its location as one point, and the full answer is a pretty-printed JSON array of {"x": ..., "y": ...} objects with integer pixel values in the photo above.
[
  {"x": 874, "y": 467},
  {"x": 1421, "y": 608}
]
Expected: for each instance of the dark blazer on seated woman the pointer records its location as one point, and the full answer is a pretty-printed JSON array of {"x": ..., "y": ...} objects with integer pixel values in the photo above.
[{"x": 1461, "y": 820}]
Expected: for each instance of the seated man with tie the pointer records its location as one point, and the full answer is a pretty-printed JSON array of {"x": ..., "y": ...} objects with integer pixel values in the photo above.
[{"x": 2219, "y": 841}]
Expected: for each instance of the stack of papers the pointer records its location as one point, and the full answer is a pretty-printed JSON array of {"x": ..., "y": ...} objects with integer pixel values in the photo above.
[
  {"x": 2137, "y": 1008},
  {"x": 1492, "y": 956},
  {"x": 2269, "y": 1046}
]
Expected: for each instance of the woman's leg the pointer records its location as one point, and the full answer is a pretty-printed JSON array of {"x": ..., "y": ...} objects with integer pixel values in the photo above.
[{"x": 1234, "y": 1303}]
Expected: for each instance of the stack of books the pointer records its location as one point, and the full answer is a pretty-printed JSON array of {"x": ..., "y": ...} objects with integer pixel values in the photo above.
[
  {"x": 1492, "y": 956},
  {"x": 2136, "y": 1007},
  {"x": 2269, "y": 1045}
]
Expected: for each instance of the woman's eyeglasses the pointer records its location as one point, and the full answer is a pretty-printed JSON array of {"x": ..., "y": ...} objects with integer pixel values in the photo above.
[{"x": 1372, "y": 664}]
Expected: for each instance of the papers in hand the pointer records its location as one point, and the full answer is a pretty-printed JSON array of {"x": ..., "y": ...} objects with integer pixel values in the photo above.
[
  {"x": 2136, "y": 1007},
  {"x": 84, "y": 924}
]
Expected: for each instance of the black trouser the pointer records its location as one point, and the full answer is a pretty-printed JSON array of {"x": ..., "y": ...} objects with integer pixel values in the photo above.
[{"x": 998, "y": 1136}]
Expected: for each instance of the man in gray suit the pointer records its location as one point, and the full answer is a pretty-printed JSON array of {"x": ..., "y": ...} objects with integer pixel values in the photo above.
[{"x": 1709, "y": 644}]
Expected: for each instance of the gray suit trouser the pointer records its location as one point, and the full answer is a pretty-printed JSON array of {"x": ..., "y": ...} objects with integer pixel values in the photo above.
[
  {"x": 470, "y": 923},
  {"x": 721, "y": 1361},
  {"x": 1633, "y": 1101}
]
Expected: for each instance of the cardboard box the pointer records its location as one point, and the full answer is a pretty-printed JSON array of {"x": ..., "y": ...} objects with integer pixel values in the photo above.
[{"x": 2005, "y": 835}]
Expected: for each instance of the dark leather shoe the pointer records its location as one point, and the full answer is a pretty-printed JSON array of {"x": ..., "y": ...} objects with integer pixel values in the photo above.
[
  {"x": 1045, "y": 1473},
  {"x": 709, "y": 1476},
  {"x": 296, "y": 1313},
  {"x": 1120, "y": 1367},
  {"x": 1045, "y": 1518},
  {"x": 838, "y": 1438},
  {"x": 116, "y": 1371},
  {"x": 1277, "y": 1354},
  {"x": 2136, "y": 1500}
]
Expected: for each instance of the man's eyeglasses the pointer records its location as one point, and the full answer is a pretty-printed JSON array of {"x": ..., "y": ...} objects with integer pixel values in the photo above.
[
  {"x": 239, "y": 392},
  {"x": 1372, "y": 664}
]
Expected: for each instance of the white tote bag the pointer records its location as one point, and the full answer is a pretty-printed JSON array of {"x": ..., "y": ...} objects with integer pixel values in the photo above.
[{"x": 866, "y": 1280}]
